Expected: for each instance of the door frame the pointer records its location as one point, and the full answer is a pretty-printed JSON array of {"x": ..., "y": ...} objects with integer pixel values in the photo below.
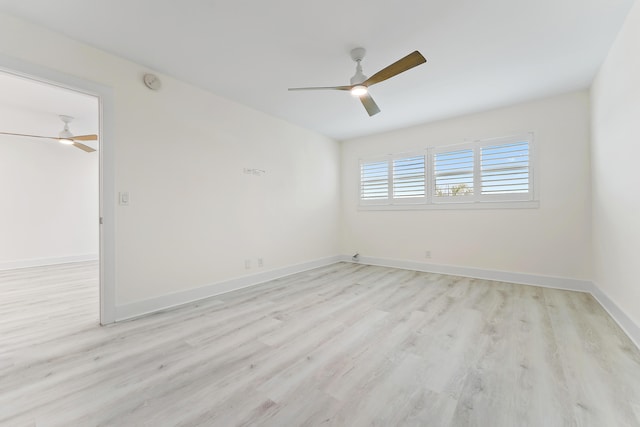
[{"x": 106, "y": 152}]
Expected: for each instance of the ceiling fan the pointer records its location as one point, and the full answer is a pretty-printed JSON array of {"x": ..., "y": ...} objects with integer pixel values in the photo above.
[
  {"x": 360, "y": 83},
  {"x": 65, "y": 136}
]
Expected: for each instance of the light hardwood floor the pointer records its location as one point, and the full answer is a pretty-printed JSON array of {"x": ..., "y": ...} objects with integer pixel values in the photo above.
[{"x": 343, "y": 345}]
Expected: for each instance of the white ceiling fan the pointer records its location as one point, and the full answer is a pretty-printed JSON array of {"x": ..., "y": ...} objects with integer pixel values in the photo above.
[
  {"x": 360, "y": 83},
  {"x": 65, "y": 136}
]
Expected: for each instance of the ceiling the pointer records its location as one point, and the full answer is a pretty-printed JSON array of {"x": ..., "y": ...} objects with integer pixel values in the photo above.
[{"x": 480, "y": 54}]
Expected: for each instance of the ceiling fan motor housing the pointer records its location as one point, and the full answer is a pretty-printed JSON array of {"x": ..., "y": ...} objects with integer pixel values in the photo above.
[
  {"x": 66, "y": 134},
  {"x": 358, "y": 77},
  {"x": 357, "y": 55}
]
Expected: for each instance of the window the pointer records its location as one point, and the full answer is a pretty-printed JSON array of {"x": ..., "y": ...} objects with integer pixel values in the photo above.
[
  {"x": 408, "y": 177},
  {"x": 453, "y": 174},
  {"x": 374, "y": 181},
  {"x": 505, "y": 170},
  {"x": 397, "y": 179},
  {"x": 471, "y": 174}
]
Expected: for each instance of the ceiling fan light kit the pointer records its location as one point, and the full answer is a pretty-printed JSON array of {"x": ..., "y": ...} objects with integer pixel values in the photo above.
[
  {"x": 360, "y": 83},
  {"x": 359, "y": 90}
]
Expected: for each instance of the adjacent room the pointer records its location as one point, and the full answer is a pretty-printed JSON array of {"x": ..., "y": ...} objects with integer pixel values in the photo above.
[{"x": 283, "y": 214}]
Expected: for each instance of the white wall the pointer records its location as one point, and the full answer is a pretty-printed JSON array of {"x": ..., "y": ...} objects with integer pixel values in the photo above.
[
  {"x": 552, "y": 240},
  {"x": 49, "y": 203},
  {"x": 615, "y": 152},
  {"x": 194, "y": 216}
]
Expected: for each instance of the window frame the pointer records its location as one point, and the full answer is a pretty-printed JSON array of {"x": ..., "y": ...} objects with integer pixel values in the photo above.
[{"x": 477, "y": 200}]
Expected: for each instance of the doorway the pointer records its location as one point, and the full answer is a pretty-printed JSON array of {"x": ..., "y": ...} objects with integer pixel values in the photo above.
[{"x": 56, "y": 213}]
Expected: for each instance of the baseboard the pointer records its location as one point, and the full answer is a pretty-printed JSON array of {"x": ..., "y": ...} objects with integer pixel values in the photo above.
[
  {"x": 141, "y": 308},
  {"x": 478, "y": 273},
  {"x": 38, "y": 262},
  {"x": 626, "y": 324}
]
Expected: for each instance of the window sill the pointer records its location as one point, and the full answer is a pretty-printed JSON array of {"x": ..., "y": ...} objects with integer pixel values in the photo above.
[{"x": 528, "y": 204}]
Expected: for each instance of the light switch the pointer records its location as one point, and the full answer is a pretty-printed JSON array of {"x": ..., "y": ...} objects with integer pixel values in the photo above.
[{"x": 124, "y": 198}]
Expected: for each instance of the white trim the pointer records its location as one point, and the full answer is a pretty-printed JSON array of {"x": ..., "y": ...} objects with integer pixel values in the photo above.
[
  {"x": 107, "y": 166},
  {"x": 148, "y": 306},
  {"x": 627, "y": 325},
  {"x": 38, "y": 262},
  {"x": 479, "y": 273},
  {"x": 459, "y": 205}
]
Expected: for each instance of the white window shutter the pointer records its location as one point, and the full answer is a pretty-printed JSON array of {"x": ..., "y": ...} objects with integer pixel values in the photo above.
[
  {"x": 409, "y": 177},
  {"x": 505, "y": 170},
  {"x": 453, "y": 174},
  {"x": 374, "y": 181}
]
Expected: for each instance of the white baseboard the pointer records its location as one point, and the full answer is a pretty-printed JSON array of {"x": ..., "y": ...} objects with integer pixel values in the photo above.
[
  {"x": 626, "y": 324},
  {"x": 140, "y": 308},
  {"x": 38, "y": 262},
  {"x": 478, "y": 273}
]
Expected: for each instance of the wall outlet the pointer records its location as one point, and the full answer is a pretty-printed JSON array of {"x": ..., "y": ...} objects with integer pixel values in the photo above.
[
  {"x": 247, "y": 264},
  {"x": 427, "y": 254},
  {"x": 260, "y": 262}
]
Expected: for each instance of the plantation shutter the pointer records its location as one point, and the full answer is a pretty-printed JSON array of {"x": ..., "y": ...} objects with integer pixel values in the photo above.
[
  {"x": 409, "y": 177},
  {"x": 453, "y": 173},
  {"x": 374, "y": 181},
  {"x": 491, "y": 172},
  {"x": 505, "y": 169}
]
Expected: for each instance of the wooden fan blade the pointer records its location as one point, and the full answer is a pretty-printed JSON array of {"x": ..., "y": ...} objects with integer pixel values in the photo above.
[
  {"x": 83, "y": 147},
  {"x": 322, "y": 88},
  {"x": 369, "y": 104},
  {"x": 29, "y": 136},
  {"x": 408, "y": 62},
  {"x": 75, "y": 144},
  {"x": 85, "y": 138}
]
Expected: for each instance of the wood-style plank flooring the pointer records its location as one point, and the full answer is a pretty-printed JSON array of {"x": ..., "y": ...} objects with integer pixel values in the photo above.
[{"x": 343, "y": 345}]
